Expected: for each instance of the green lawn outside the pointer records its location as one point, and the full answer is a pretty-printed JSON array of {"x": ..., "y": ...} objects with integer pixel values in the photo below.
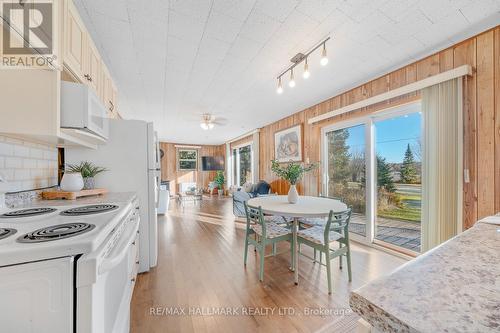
[{"x": 407, "y": 213}]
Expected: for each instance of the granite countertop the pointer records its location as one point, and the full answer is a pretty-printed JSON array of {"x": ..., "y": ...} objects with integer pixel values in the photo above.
[
  {"x": 452, "y": 288},
  {"x": 112, "y": 197}
]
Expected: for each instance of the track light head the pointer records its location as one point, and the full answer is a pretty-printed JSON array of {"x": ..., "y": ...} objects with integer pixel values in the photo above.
[
  {"x": 291, "y": 83},
  {"x": 306, "y": 73},
  {"x": 324, "y": 57},
  {"x": 279, "y": 90}
]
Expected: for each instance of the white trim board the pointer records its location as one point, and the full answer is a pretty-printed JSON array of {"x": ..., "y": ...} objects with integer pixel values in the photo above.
[
  {"x": 409, "y": 88},
  {"x": 244, "y": 135},
  {"x": 187, "y": 147}
]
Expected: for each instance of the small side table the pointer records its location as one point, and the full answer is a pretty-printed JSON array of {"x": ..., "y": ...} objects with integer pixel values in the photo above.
[{"x": 189, "y": 197}]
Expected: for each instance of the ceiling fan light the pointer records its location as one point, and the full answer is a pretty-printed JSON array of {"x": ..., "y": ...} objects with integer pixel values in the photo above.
[
  {"x": 204, "y": 126},
  {"x": 210, "y": 126}
]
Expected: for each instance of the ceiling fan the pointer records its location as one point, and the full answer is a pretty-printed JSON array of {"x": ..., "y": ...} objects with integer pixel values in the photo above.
[{"x": 208, "y": 121}]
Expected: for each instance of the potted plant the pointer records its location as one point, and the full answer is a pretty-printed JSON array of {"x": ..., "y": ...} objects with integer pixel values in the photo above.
[
  {"x": 220, "y": 180},
  {"x": 88, "y": 170},
  {"x": 292, "y": 173}
]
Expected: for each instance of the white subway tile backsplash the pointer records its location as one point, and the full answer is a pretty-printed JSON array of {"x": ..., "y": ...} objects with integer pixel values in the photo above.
[
  {"x": 50, "y": 155},
  {"x": 22, "y": 174},
  {"x": 21, "y": 151},
  {"x": 8, "y": 173},
  {"x": 13, "y": 162},
  {"x": 36, "y": 153},
  {"x": 42, "y": 164},
  {"x": 26, "y": 165},
  {"x": 30, "y": 163},
  {"x": 6, "y": 149}
]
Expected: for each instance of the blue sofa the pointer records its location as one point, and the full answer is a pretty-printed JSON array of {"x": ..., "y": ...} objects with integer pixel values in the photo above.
[{"x": 240, "y": 196}]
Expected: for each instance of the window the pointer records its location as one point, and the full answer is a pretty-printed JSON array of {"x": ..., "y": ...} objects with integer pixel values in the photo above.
[
  {"x": 346, "y": 172},
  {"x": 242, "y": 169},
  {"x": 374, "y": 165},
  {"x": 187, "y": 159}
]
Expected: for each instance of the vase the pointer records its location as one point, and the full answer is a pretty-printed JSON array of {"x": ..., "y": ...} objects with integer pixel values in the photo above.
[
  {"x": 72, "y": 182},
  {"x": 293, "y": 195},
  {"x": 88, "y": 183}
]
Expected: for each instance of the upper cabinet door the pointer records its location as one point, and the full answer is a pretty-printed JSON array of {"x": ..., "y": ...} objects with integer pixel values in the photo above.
[
  {"x": 92, "y": 68},
  {"x": 107, "y": 84},
  {"x": 114, "y": 100},
  {"x": 74, "y": 41}
]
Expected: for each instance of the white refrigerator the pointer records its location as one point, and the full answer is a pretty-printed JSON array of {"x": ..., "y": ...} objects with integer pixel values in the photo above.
[{"x": 132, "y": 156}]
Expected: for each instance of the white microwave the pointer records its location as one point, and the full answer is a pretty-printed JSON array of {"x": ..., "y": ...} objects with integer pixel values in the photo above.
[{"x": 82, "y": 109}]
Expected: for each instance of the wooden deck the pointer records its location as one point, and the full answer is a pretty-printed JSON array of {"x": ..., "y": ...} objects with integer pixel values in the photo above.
[
  {"x": 397, "y": 232},
  {"x": 201, "y": 285}
]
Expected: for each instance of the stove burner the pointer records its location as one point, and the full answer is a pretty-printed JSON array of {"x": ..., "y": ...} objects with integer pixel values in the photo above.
[
  {"x": 28, "y": 212},
  {"x": 88, "y": 210},
  {"x": 6, "y": 232},
  {"x": 56, "y": 232}
]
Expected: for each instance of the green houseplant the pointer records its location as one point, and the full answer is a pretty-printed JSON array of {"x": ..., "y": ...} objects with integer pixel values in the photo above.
[
  {"x": 220, "y": 180},
  {"x": 88, "y": 170},
  {"x": 292, "y": 173}
]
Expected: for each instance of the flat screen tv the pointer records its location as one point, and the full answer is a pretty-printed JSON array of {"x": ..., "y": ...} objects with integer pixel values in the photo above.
[{"x": 212, "y": 163}]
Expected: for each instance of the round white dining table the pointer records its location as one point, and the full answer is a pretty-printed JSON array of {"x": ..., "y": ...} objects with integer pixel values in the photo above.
[{"x": 306, "y": 207}]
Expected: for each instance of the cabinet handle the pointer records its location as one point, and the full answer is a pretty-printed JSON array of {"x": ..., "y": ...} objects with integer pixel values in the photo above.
[
  {"x": 87, "y": 77},
  {"x": 133, "y": 243},
  {"x": 132, "y": 280},
  {"x": 137, "y": 262},
  {"x": 90, "y": 78},
  {"x": 112, "y": 107}
]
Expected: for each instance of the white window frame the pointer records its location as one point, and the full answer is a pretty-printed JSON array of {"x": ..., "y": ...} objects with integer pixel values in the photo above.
[
  {"x": 369, "y": 122},
  {"x": 184, "y": 159},
  {"x": 235, "y": 162}
]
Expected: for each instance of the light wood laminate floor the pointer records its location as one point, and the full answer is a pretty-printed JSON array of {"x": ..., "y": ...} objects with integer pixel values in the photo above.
[{"x": 200, "y": 272}]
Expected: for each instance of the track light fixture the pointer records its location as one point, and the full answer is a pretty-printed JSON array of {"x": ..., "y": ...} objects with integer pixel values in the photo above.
[
  {"x": 279, "y": 90},
  {"x": 324, "y": 58},
  {"x": 291, "y": 83},
  {"x": 306, "y": 73},
  {"x": 299, "y": 58}
]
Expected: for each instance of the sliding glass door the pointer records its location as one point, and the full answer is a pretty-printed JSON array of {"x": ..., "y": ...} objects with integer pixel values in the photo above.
[
  {"x": 346, "y": 172},
  {"x": 242, "y": 165},
  {"x": 374, "y": 166},
  {"x": 398, "y": 182}
]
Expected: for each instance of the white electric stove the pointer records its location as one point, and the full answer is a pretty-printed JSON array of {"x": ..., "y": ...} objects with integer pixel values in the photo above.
[{"x": 69, "y": 268}]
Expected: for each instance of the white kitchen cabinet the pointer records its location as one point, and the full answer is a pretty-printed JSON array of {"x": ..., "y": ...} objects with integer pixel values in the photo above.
[
  {"x": 92, "y": 66},
  {"x": 74, "y": 46},
  {"x": 36, "y": 115}
]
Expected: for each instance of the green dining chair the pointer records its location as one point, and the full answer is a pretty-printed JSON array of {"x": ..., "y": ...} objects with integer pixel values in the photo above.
[
  {"x": 320, "y": 238},
  {"x": 261, "y": 232},
  {"x": 321, "y": 221}
]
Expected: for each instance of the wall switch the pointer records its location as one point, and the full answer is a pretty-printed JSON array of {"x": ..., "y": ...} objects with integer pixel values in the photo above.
[{"x": 466, "y": 176}]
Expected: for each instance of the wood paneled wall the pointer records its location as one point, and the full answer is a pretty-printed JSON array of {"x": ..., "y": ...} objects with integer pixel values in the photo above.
[
  {"x": 169, "y": 166},
  {"x": 481, "y": 120},
  {"x": 246, "y": 139}
]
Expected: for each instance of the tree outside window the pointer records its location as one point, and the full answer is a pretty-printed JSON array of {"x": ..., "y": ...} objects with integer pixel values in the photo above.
[{"x": 187, "y": 159}]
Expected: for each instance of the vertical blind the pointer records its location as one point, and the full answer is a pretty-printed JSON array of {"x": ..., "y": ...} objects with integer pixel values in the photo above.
[{"x": 442, "y": 168}]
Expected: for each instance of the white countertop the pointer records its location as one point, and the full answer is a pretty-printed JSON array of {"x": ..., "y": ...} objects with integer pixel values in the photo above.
[{"x": 452, "y": 288}]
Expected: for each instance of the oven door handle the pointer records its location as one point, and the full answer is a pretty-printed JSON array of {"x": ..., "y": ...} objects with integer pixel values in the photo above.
[{"x": 122, "y": 248}]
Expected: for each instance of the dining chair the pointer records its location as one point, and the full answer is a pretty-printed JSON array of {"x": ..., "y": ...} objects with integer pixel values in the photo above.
[
  {"x": 261, "y": 232},
  {"x": 315, "y": 221},
  {"x": 320, "y": 238}
]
